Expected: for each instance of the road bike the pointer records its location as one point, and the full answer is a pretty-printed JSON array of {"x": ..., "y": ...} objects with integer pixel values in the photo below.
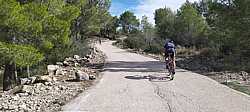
[{"x": 170, "y": 66}]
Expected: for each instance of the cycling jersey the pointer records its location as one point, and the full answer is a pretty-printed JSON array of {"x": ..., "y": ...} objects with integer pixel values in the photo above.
[{"x": 169, "y": 47}]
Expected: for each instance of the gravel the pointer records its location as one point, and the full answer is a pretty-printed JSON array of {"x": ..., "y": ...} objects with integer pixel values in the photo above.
[{"x": 51, "y": 95}]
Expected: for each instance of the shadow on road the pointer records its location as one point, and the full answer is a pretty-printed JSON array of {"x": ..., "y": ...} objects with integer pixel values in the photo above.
[
  {"x": 150, "y": 78},
  {"x": 127, "y": 66},
  {"x": 137, "y": 77},
  {"x": 142, "y": 66}
]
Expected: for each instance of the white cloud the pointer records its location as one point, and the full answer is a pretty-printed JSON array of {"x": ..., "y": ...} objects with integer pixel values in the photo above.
[{"x": 148, "y": 7}]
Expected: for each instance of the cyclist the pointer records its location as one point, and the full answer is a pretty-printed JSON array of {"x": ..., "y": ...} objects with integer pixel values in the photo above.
[{"x": 170, "y": 50}]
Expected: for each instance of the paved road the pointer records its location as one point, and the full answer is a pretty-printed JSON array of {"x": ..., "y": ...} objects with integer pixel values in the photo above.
[{"x": 125, "y": 88}]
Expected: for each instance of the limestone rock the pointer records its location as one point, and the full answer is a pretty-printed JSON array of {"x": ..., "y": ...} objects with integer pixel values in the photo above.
[
  {"x": 77, "y": 64},
  {"x": 28, "y": 89},
  {"x": 48, "y": 83},
  {"x": 65, "y": 63},
  {"x": 92, "y": 77},
  {"x": 59, "y": 71},
  {"x": 244, "y": 75},
  {"x": 45, "y": 78},
  {"x": 77, "y": 57},
  {"x": 81, "y": 75},
  {"x": 52, "y": 69},
  {"x": 59, "y": 63},
  {"x": 70, "y": 59},
  {"x": 27, "y": 81}
]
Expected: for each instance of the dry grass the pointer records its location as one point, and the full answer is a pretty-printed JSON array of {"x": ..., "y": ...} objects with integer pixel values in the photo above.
[
  {"x": 185, "y": 52},
  {"x": 239, "y": 87}
]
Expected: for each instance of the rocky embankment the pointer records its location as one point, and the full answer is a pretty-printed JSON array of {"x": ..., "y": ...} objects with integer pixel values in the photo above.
[
  {"x": 64, "y": 81},
  {"x": 207, "y": 68}
]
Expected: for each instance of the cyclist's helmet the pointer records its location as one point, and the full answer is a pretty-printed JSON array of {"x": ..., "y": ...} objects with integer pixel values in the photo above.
[{"x": 171, "y": 41}]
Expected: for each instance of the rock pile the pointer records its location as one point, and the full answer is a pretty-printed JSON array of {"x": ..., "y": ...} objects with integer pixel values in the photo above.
[
  {"x": 41, "y": 97},
  {"x": 48, "y": 93},
  {"x": 207, "y": 68},
  {"x": 225, "y": 77},
  {"x": 73, "y": 67}
]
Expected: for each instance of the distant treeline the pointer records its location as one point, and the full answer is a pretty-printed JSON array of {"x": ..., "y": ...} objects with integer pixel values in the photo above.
[{"x": 218, "y": 29}]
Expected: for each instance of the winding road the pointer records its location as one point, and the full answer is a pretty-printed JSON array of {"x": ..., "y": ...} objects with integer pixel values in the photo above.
[{"x": 125, "y": 87}]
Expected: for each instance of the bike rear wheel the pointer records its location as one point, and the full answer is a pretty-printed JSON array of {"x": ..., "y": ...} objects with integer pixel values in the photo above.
[
  {"x": 171, "y": 76},
  {"x": 171, "y": 70}
]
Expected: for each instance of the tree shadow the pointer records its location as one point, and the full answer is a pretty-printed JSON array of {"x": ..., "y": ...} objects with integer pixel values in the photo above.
[
  {"x": 94, "y": 65},
  {"x": 149, "y": 77},
  {"x": 130, "y": 66},
  {"x": 137, "y": 77},
  {"x": 139, "y": 66},
  {"x": 159, "y": 78}
]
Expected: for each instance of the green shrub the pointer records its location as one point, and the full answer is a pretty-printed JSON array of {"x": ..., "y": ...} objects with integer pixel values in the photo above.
[
  {"x": 182, "y": 51},
  {"x": 209, "y": 52},
  {"x": 118, "y": 42},
  {"x": 134, "y": 43},
  {"x": 154, "y": 48}
]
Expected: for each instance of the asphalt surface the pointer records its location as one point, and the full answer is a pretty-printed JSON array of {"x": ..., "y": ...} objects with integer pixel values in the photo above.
[{"x": 125, "y": 87}]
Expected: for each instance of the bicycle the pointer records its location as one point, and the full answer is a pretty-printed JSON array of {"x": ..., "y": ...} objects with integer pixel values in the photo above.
[{"x": 170, "y": 66}]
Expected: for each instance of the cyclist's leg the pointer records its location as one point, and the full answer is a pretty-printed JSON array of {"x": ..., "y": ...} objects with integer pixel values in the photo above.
[
  {"x": 166, "y": 59},
  {"x": 173, "y": 59}
]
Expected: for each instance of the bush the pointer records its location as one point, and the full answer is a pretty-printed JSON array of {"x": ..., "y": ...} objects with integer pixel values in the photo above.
[
  {"x": 182, "y": 51},
  {"x": 154, "y": 48},
  {"x": 80, "y": 48},
  {"x": 133, "y": 43},
  {"x": 118, "y": 42},
  {"x": 209, "y": 52}
]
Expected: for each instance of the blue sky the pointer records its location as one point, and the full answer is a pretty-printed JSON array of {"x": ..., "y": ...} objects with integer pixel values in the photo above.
[
  {"x": 143, "y": 7},
  {"x": 119, "y": 6}
]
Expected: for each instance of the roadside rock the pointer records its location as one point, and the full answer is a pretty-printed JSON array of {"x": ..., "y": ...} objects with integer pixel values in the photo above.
[
  {"x": 44, "y": 78},
  {"x": 244, "y": 75},
  {"x": 48, "y": 93},
  {"x": 23, "y": 107},
  {"x": 61, "y": 71},
  {"x": 52, "y": 69},
  {"x": 80, "y": 76},
  {"x": 27, "y": 81},
  {"x": 85, "y": 59},
  {"x": 59, "y": 63},
  {"x": 28, "y": 89},
  {"x": 76, "y": 65},
  {"x": 92, "y": 77},
  {"x": 88, "y": 56},
  {"x": 22, "y": 94},
  {"x": 24, "y": 81},
  {"x": 77, "y": 57},
  {"x": 70, "y": 59},
  {"x": 65, "y": 63},
  {"x": 32, "y": 79},
  {"x": 48, "y": 83}
]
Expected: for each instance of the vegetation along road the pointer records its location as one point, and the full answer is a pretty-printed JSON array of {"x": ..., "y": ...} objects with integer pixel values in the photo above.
[
  {"x": 47, "y": 44},
  {"x": 125, "y": 88}
]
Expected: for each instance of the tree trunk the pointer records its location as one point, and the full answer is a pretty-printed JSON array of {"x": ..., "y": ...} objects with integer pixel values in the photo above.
[
  {"x": 10, "y": 77},
  {"x": 28, "y": 71}
]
